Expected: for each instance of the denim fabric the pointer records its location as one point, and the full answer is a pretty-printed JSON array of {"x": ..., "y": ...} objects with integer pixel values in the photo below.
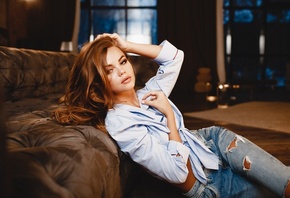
[{"x": 260, "y": 174}]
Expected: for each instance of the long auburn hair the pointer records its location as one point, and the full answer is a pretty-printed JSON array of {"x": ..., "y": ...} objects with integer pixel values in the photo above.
[{"x": 88, "y": 94}]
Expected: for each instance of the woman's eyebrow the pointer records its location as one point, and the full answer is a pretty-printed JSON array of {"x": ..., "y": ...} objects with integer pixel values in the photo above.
[
  {"x": 109, "y": 65},
  {"x": 121, "y": 58}
]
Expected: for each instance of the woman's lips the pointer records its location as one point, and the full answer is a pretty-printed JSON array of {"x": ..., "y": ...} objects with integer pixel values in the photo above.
[{"x": 126, "y": 80}]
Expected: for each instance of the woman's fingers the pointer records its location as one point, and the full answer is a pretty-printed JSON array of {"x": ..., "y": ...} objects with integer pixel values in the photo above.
[
  {"x": 113, "y": 36},
  {"x": 158, "y": 100},
  {"x": 118, "y": 41},
  {"x": 150, "y": 96}
]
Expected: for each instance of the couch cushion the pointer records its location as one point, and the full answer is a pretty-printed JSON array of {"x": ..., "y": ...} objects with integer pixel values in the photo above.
[
  {"x": 13, "y": 110},
  {"x": 48, "y": 159},
  {"x": 38, "y": 148}
]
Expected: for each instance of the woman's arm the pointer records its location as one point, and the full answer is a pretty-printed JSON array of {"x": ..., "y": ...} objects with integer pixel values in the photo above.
[
  {"x": 150, "y": 51},
  {"x": 158, "y": 100},
  {"x": 147, "y": 144}
]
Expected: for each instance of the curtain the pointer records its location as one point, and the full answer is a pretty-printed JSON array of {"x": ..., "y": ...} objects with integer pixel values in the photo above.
[
  {"x": 76, "y": 26},
  {"x": 220, "y": 43},
  {"x": 191, "y": 26}
]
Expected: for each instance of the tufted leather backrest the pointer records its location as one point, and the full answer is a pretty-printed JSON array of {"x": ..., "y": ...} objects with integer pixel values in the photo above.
[
  {"x": 32, "y": 73},
  {"x": 27, "y": 73},
  {"x": 144, "y": 69}
]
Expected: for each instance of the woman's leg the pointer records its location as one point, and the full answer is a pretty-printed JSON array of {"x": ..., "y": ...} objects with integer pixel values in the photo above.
[
  {"x": 287, "y": 192},
  {"x": 249, "y": 160}
]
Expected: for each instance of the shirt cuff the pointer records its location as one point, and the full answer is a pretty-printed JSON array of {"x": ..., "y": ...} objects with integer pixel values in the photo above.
[
  {"x": 167, "y": 53},
  {"x": 176, "y": 148}
]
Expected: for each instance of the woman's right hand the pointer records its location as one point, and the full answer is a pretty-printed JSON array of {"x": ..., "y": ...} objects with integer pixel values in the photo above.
[
  {"x": 118, "y": 40},
  {"x": 147, "y": 50}
]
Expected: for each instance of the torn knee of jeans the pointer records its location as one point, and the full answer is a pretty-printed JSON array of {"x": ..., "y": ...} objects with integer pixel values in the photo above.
[
  {"x": 247, "y": 164},
  {"x": 234, "y": 143}
]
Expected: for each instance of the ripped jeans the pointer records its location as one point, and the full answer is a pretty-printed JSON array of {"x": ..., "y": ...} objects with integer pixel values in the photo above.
[{"x": 245, "y": 170}]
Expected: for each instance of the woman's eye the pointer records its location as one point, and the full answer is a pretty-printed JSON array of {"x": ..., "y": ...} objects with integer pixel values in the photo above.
[
  {"x": 110, "y": 70},
  {"x": 123, "y": 62}
]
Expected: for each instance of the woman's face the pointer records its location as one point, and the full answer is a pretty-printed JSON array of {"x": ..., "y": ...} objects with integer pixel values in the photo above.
[{"x": 120, "y": 71}]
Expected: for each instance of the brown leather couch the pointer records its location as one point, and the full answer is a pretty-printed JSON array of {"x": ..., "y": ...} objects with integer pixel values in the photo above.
[{"x": 45, "y": 159}]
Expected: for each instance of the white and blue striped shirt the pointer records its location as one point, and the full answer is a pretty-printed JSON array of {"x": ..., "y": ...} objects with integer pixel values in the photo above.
[{"x": 142, "y": 133}]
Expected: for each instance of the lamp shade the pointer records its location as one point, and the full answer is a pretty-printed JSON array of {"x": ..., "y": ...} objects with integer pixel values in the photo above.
[{"x": 66, "y": 46}]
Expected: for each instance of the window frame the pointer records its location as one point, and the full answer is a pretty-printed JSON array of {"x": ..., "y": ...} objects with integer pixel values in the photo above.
[
  {"x": 264, "y": 58},
  {"x": 87, "y": 5}
]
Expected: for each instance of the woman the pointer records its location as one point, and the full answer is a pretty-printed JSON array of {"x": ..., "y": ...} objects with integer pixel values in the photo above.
[{"x": 210, "y": 162}]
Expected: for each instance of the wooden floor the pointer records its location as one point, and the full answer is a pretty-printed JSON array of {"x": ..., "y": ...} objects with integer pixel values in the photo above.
[{"x": 276, "y": 143}]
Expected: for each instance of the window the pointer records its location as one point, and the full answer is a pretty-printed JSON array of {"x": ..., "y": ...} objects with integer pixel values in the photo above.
[
  {"x": 257, "y": 40},
  {"x": 135, "y": 20}
]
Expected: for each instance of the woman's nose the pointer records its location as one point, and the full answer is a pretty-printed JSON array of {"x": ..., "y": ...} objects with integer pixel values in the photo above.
[{"x": 121, "y": 71}]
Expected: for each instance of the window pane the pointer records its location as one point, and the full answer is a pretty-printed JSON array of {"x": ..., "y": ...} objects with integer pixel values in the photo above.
[
  {"x": 244, "y": 16},
  {"x": 248, "y": 2},
  {"x": 109, "y": 20},
  {"x": 245, "y": 39},
  {"x": 226, "y": 2},
  {"x": 226, "y": 16},
  {"x": 280, "y": 16},
  {"x": 279, "y": 1},
  {"x": 246, "y": 32},
  {"x": 142, "y": 2},
  {"x": 84, "y": 28},
  {"x": 142, "y": 25},
  {"x": 277, "y": 38},
  {"x": 276, "y": 70},
  {"x": 108, "y": 2},
  {"x": 245, "y": 69}
]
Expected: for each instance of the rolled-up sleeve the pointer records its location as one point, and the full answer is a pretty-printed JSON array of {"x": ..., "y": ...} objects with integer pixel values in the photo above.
[
  {"x": 176, "y": 148},
  {"x": 167, "y": 53},
  {"x": 170, "y": 60}
]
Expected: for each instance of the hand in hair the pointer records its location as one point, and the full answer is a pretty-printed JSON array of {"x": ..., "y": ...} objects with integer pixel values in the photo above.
[{"x": 118, "y": 40}]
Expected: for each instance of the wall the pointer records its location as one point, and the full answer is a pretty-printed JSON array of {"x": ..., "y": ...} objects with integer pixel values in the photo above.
[
  {"x": 3, "y": 23},
  {"x": 40, "y": 24},
  {"x": 16, "y": 20},
  {"x": 190, "y": 26}
]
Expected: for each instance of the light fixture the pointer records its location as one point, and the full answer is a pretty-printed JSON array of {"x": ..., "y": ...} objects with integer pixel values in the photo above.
[
  {"x": 92, "y": 37},
  {"x": 262, "y": 43},
  {"x": 27, "y": 1},
  {"x": 223, "y": 95},
  {"x": 229, "y": 42},
  {"x": 66, "y": 46}
]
